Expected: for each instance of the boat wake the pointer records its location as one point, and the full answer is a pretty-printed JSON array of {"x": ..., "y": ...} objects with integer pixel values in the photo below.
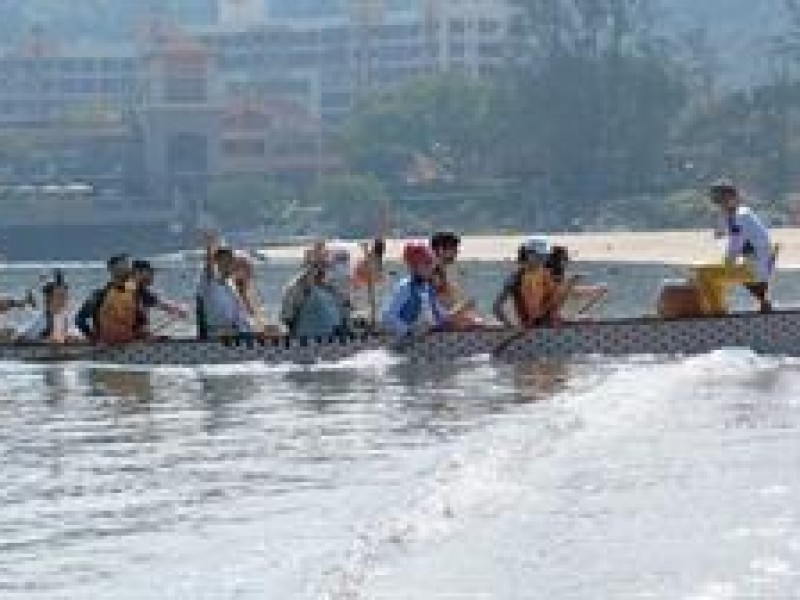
[{"x": 607, "y": 435}]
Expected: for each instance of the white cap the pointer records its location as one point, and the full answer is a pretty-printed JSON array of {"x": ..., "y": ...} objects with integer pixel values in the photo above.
[{"x": 537, "y": 246}]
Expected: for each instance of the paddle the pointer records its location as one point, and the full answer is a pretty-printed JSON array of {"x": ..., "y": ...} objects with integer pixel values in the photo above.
[{"x": 371, "y": 257}]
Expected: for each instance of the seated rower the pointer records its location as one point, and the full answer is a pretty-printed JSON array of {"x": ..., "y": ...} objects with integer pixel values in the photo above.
[
  {"x": 147, "y": 299},
  {"x": 445, "y": 246},
  {"x": 8, "y": 304},
  {"x": 245, "y": 285},
  {"x": 412, "y": 308},
  {"x": 578, "y": 299},
  {"x": 53, "y": 325},
  {"x": 532, "y": 295},
  {"x": 312, "y": 306},
  {"x": 368, "y": 281},
  {"x": 749, "y": 257},
  {"x": 221, "y": 311},
  {"x": 110, "y": 314}
]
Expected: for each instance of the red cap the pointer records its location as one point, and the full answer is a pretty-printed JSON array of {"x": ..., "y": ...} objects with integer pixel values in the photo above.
[{"x": 418, "y": 254}]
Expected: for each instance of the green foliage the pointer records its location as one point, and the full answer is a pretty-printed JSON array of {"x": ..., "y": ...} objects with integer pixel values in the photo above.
[
  {"x": 354, "y": 200},
  {"x": 447, "y": 119}
]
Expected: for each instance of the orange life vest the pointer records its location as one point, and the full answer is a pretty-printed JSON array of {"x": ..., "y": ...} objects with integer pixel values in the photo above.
[
  {"x": 534, "y": 297},
  {"x": 115, "y": 318}
]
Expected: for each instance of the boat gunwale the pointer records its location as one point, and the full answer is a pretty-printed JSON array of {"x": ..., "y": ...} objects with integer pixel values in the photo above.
[{"x": 363, "y": 337}]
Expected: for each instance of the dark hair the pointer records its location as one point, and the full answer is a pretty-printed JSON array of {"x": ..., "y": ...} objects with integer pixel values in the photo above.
[
  {"x": 223, "y": 252},
  {"x": 49, "y": 288},
  {"x": 142, "y": 265},
  {"x": 557, "y": 261},
  {"x": 445, "y": 239},
  {"x": 116, "y": 260}
]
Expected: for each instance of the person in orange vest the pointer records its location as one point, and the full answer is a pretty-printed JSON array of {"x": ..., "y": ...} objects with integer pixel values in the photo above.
[
  {"x": 531, "y": 296},
  {"x": 111, "y": 314}
]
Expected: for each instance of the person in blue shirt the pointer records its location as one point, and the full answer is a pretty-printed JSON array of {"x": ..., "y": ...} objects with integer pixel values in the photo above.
[{"x": 412, "y": 307}]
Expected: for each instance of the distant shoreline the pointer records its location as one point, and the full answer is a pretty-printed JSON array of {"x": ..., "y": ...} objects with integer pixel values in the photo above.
[{"x": 677, "y": 248}]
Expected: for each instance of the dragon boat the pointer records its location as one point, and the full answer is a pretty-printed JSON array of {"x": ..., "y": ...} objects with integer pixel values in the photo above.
[{"x": 776, "y": 333}]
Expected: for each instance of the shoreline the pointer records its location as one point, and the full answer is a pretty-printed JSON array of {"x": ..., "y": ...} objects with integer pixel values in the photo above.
[{"x": 676, "y": 248}]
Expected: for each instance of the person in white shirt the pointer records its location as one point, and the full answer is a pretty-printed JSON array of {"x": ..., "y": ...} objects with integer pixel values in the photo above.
[
  {"x": 54, "y": 324},
  {"x": 220, "y": 310},
  {"x": 748, "y": 240}
]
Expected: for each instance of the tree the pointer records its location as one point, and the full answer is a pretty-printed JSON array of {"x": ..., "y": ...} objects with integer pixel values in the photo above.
[
  {"x": 350, "y": 204},
  {"x": 448, "y": 119},
  {"x": 594, "y": 99}
]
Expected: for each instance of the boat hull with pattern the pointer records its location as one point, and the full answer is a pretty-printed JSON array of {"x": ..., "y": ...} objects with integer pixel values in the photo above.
[{"x": 776, "y": 333}]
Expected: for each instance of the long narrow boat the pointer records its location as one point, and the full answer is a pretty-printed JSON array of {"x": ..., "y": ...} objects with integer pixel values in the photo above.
[{"x": 773, "y": 334}]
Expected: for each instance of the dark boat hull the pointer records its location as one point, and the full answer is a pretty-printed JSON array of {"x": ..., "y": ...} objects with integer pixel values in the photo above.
[{"x": 772, "y": 334}]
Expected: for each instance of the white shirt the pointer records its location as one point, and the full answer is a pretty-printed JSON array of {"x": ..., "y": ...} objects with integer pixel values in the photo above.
[
  {"x": 62, "y": 328},
  {"x": 745, "y": 229}
]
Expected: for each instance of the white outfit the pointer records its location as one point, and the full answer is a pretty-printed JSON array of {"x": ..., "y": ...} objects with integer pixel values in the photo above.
[
  {"x": 62, "y": 328},
  {"x": 745, "y": 231}
]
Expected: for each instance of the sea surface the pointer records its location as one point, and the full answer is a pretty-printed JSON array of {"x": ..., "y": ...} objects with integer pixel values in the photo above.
[{"x": 645, "y": 478}]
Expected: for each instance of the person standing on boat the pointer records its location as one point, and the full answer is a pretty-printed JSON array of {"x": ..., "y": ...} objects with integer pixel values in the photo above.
[
  {"x": 445, "y": 246},
  {"x": 749, "y": 255},
  {"x": 54, "y": 324},
  {"x": 221, "y": 311},
  {"x": 110, "y": 314},
  {"x": 312, "y": 305},
  {"x": 147, "y": 299},
  {"x": 413, "y": 308},
  {"x": 532, "y": 295}
]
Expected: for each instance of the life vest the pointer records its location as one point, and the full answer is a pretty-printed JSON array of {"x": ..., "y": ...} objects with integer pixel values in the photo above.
[
  {"x": 116, "y": 317},
  {"x": 533, "y": 296}
]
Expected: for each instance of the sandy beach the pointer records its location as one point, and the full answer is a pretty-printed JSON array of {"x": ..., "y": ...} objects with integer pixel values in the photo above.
[{"x": 688, "y": 247}]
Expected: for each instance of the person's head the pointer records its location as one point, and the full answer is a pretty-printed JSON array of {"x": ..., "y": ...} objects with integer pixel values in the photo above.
[
  {"x": 445, "y": 246},
  {"x": 724, "y": 194},
  {"x": 119, "y": 268},
  {"x": 557, "y": 260},
  {"x": 420, "y": 261},
  {"x": 56, "y": 296},
  {"x": 533, "y": 253},
  {"x": 143, "y": 272},
  {"x": 225, "y": 260},
  {"x": 317, "y": 260}
]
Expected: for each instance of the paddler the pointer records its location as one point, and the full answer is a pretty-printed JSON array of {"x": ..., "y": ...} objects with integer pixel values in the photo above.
[
  {"x": 446, "y": 246},
  {"x": 110, "y": 314},
  {"x": 413, "y": 308},
  {"x": 148, "y": 299},
  {"x": 312, "y": 305},
  {"x": 53, "y": 325},
  {"x": 749, "y": 254},
  {"x": 221, "y": 311},
  {"x": 244, "y": 281},
  {"x": 532, "y": 296},
  {"x": 7, "y": 304}
]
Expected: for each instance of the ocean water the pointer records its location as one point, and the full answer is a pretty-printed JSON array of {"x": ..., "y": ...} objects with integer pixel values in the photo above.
[{"x": 376, "y": 479}]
